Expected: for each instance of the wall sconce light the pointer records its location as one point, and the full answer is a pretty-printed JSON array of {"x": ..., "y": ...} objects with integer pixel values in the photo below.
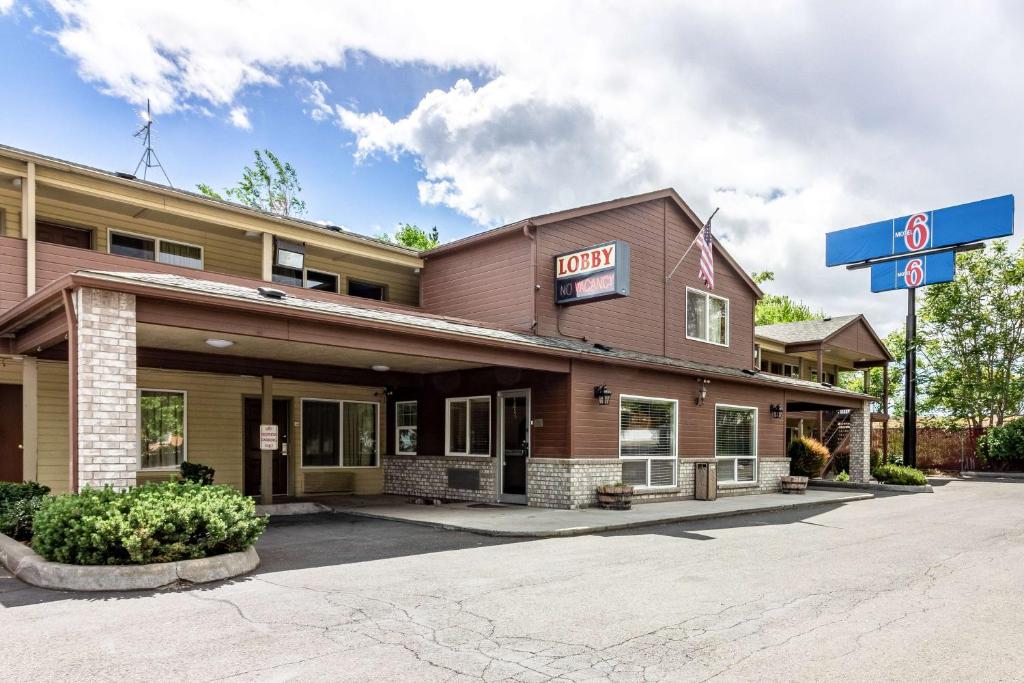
[
  {"x": 702, "y": 390},
  {"x": 388, "y": 392},
  {"x": 603, "y": 394},
  {"x": 776, "y": 410}
]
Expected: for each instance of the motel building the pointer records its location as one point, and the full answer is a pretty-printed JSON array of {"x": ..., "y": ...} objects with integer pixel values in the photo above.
[{"x": 142, "y": 326}]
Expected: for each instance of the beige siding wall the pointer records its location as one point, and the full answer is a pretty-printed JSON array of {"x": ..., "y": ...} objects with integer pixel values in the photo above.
[
  {"x": 10, "y": 212},
  {"x": 54, "y": 468}
]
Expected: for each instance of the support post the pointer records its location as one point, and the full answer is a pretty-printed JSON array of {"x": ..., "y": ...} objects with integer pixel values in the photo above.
[
  {"x": 910, "y": 380},
  {"x": 28, "y": 226},
  {"x": 267, "y": 271},
  {"x": 885, "y": 410},
  {"x": 29, "y": 419},
  {"x": 267, "y": 457}
]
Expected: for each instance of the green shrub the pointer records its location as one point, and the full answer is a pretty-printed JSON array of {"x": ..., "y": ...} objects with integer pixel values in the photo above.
[
  {"x": 200, "y": 474},
  {"x": 806, "y": 456},
  {"x": 843, "y": 476},
  {"x": 898, "y": 474},
  {"x": 156, "y": 522},
  {"x": 18, "y": 504},
  {"x": 1002, "y": 444}
]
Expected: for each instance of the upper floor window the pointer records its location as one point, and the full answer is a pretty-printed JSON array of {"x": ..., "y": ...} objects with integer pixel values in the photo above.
[
  {"x": 707, "y": 317},
  {"x": 367, "y": 290},
  {"x": 779, "y": 368},
  {"x": 156, "y": 249},
  {"x": 830, "y": 377},
  {"x": 310, "y": 279}
]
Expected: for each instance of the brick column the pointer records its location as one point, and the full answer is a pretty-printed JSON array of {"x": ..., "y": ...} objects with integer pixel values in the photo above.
[
  {"x": 860, "y": 443},
  {"x": 108, "y": 430}
]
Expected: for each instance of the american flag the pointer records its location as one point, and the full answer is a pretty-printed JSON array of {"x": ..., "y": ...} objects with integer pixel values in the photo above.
[{"x": 707, "y": 257}]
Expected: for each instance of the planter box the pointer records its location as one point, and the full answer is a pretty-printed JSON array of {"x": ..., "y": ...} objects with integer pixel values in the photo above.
[
  {"x": 794, "y": 484},
  {"x": 615, "y": 497}
]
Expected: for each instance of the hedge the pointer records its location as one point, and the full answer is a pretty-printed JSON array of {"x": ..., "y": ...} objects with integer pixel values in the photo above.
[
  {"x": 156, "y": 522},
  {"x": 1002, "y": 443},
  {"x": 898, "y": 474},
  {"x": 18, "y": 505}
]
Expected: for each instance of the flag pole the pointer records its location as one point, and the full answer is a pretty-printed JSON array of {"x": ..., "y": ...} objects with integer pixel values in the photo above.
[{"x": 683, "y": 257}]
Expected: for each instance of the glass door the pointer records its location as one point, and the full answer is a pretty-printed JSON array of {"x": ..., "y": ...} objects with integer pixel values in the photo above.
[{"x": 514, "y": 443}]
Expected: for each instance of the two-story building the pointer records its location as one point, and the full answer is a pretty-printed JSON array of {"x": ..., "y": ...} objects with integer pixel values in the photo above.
[{"x": 142, "y": 326}]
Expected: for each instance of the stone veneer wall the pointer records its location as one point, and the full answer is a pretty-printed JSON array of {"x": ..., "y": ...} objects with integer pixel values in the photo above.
[
  {"x": 107, "y": 392},
  {"x": 769, "y": 474},
  {"x": 860, "y": 443},
  {"x": 426, "y": 476},
  {"x": 568, "y": 483}
]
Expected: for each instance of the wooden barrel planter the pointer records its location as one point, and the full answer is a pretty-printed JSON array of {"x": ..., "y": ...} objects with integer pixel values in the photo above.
[
  {"x": 792, "y": 484},
  {"x": 615, "y": 497}
]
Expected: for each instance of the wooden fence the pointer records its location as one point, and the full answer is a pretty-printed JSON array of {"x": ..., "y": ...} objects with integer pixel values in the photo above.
[{"x": 940, "y": 449}]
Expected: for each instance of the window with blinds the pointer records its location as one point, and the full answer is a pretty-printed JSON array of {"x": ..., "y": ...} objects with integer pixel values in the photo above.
[
  {"x": 736, "y": 444},
  {"x": 468, "y": 426},
  {"x": 647, "y": 441}
]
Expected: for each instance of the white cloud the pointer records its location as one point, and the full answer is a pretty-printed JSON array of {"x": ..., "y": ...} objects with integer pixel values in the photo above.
[
  {"x": 794, "y": 117},
  {"x": 5, "y": 6},
  {"x": 239, "y": 117}
]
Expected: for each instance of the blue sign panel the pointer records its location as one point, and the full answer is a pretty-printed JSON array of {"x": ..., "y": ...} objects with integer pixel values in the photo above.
[
  {"x": 947, "y": 227},
  {"x": 913, "y": 271}
]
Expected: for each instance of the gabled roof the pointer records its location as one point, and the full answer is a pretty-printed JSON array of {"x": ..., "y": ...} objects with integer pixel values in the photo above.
[
  {"x": 816, "y": 331},
  {"x": 567, "y": 214}
]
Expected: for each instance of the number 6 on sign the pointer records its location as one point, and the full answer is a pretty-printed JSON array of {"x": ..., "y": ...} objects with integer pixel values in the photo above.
[{"x": 913, "y": 276}]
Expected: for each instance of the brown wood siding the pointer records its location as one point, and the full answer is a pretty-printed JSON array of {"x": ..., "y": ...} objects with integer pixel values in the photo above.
[
  {"x": 596, "y": 430},
  {"x": 491, "y": 282},
  {"x": 12, "y": 272},
  {"x": 858, "y": 339}
]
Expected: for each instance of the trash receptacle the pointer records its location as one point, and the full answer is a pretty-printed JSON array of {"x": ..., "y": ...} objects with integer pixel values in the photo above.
[{"x": 706, "y": 485}]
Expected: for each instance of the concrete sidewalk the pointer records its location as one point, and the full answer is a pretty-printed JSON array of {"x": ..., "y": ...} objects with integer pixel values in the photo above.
[{"x": 515, "y": 520}]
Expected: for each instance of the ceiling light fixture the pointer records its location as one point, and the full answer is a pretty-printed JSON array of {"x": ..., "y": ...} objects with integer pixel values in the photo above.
[
  {"x": 220, "y": 343},
  {"x": 380, "y": 367}
]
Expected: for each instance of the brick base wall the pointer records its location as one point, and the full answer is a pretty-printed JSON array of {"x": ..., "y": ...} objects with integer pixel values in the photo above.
[
  {"x": 568, "y": 483},
  {"x": 860, "y": 443},
  {"x": 769, "y": 479},
  {"x": 426, "y": 476}
]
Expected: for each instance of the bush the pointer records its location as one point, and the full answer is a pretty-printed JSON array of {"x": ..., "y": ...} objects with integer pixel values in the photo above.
[
  {"x": 1002, "y": 444},
  {"x": 157, "y": 522},
  {"x": 200, "y": 474},
  {"x": 18, "y": 504},
  {"x": 843, "y": 476},
  {"x": 807, "y": 456},
  {"x": 898, "y": 474}
]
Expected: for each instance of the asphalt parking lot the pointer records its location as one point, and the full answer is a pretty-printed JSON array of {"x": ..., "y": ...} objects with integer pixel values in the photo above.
[{"x": 916, "y": 587}]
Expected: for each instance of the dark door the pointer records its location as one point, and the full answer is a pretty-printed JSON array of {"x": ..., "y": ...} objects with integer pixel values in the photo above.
[
  {"x": 514, "y": 413},
  {"x": 10, "y": 432},
  {"x": 253, "y": 475},
  {"x": 64, "y": 235}
]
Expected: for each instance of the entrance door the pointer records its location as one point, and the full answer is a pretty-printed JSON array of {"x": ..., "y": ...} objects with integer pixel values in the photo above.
[
  {"x": 10, "y": 432},
  {"x": 253, "y": 475},
  {"x": 513, "y": 443}
]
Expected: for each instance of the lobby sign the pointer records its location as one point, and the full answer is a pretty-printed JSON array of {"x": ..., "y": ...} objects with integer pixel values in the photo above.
[
  {"x": 916, "y": 271},
  {"x": 268, "y": 438},
  {"x": 592, "y": 274}
]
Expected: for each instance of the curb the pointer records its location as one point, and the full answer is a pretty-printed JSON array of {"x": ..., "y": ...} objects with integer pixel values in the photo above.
[
  {"x": 586, "y": 530},
  {"x": 28, "y": 566},
  {"x": 286, "y": 509},
  {"x": 868, "y": 486},
  {"x": 993, "y": 475}
]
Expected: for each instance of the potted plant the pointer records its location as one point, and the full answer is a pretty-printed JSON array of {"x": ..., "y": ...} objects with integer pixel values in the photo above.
[
  {"x": 617, "y": 496},
  {"x": 806, "y": 458}
]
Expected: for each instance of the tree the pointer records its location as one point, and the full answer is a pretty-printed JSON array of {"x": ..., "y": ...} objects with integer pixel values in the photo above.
[
  {"x": 414, "y": 237},
  {"x": 779, "y": 308},
  {"x": 268, "y": 185},
  {"x": 972, "y": 337}
]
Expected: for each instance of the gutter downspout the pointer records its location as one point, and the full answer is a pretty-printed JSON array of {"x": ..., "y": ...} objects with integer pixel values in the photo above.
[
  {"x": 72, "y": 318},
  {"x": 533, "y": 273}
]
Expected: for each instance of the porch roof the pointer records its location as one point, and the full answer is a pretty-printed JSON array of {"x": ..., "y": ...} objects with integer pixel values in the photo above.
[{"x": 225, "y": 293}]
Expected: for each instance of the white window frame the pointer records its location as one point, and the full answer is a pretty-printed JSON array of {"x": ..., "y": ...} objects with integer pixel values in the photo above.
[
  {"x": 398, "y": 428},
  {"x": 736, "y": 459},
  {"x": 448, "y": 426},
  {"x": 156, "y": 247},
  {"x": 138, "y": 443},
  {"x": 648, "y": 458},
  {"x": 341, "y": 435},
  {"x": 336, "y": 276},
  {"x": 707, "y": 316}
]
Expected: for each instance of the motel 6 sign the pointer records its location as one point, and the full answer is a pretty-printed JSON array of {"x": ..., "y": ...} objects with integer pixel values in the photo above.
[
  {"x": 592, "y": 274},
  {"x": 913, "y": 272}
]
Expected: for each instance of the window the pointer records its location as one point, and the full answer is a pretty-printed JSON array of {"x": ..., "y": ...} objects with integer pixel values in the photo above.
[
  {"x": 707, "y": 317},
  {"x": 830, "y": 377},
  {"x": 405, "y": 427},
  {"x": 736, "y": 444},
  {"x": 468, "y": 426},
  {"x": 310, "y": 279},
  {"x": 161, "y": 428},
  {"x": 339, "y": 433},
  {"x": 647, "y": 440},
  {"x": 327, "y": 282},
  {"x": 784, "y": 369},
  {"x": 154, "y": 249},
  {"x": 367, "y": 290},
  {"x": 320, "y": 429}
]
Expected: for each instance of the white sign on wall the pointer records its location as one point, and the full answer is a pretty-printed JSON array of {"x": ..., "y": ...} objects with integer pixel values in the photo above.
[{"x": 268, "y": 438}]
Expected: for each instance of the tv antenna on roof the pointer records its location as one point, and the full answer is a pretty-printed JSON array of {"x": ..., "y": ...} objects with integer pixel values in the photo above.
[{"x": 149, "y": 158}]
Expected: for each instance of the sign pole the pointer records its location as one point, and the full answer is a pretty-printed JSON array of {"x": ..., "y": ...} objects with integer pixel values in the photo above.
[{"x": 910, "y": 386}]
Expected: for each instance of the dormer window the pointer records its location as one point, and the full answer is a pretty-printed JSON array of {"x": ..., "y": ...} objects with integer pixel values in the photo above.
[{"x": 707, "y": 317}]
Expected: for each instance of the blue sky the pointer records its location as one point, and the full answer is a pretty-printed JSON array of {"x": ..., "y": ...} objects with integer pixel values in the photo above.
[{"x": 59, "y": 114}]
